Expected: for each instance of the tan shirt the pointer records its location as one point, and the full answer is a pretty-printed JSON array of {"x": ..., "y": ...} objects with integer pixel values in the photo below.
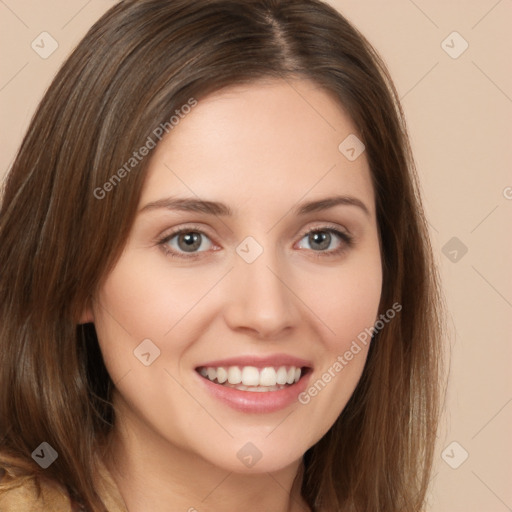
[{"x": 19, "y": 494}]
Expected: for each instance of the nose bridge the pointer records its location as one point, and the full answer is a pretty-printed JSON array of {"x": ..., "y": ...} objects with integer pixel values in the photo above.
[{"x": 260, "y": 299}]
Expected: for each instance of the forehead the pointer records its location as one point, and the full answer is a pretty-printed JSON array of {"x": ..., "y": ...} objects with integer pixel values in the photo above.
[{"x": 268, "y": 143}]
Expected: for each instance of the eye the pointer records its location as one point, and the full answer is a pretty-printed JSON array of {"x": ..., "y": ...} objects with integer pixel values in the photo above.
[
  {"x": 186, "y": 242},
  {"x": 327, "y": 240}
]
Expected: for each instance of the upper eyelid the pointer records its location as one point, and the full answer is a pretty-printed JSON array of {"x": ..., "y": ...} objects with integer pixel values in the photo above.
[
  {"x": 321, "y": 225},
  {"x": 326, "y": 225},
  {"x": 186, "y": 229}
]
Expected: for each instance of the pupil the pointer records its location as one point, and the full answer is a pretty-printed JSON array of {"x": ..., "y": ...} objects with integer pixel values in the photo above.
[
  {"x": 189, "y": 242},
  {"x": 321, "y": 239}
]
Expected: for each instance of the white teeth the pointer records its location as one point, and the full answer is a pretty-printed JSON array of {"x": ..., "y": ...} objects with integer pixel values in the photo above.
[
  {"x": 282, "y": 375},
  {"x": 268, "y": 377},
  {"x": 234, "y": 375},
  {"x": 222, "y": 375},
  {"x": 250, "y": 378}
]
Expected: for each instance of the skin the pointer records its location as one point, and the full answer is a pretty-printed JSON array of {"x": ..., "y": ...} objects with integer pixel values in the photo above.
[{"x": 261, "y": 149}]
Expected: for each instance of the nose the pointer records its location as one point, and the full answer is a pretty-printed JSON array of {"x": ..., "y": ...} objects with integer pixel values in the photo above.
[{"x": 260, "y": 299}]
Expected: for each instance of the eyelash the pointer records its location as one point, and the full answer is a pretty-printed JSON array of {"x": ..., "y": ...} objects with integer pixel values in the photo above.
[{"x": 347, "y": 241}]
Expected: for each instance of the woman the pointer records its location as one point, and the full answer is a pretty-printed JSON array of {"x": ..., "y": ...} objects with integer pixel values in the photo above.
[{"x": 217, "y": 286}]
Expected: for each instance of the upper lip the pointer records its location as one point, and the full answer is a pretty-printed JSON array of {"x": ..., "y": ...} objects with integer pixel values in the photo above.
[{"x": 258, "y": 361}]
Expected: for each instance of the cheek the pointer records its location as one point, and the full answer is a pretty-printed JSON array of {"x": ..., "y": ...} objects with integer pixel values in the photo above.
[
  {"x": 346, "y": 303},
  {"x": 143, "y": 299},
  {"x": 352, "y": 305},
  {"x": 346, "y": 299}
]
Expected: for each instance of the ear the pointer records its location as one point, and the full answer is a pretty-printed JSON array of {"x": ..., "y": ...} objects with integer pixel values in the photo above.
[{"x": 87, "y": 315}]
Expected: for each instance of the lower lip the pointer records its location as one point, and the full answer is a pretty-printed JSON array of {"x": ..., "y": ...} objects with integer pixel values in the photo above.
[{"x": 257, "y": 402}]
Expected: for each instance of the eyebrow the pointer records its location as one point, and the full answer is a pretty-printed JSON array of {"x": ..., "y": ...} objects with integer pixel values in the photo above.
[{"x": 221, "y": 209}]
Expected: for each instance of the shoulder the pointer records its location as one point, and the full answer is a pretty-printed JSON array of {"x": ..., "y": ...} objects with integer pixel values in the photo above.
[{"x": 23, "y": 494}]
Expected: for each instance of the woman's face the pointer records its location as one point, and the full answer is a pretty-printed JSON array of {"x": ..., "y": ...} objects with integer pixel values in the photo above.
[{"x": 274, "y": 273}]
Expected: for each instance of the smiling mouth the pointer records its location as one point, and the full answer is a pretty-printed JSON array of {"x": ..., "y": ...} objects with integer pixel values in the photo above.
[{"x": 250, "y": 378}]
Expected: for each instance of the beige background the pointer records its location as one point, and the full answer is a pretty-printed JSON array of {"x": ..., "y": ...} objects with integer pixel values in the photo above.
[{"x": 459, "y": 112}]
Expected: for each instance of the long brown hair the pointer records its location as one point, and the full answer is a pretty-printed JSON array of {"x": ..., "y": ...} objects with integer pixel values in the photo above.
[{"x": 142, "y": 61}]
